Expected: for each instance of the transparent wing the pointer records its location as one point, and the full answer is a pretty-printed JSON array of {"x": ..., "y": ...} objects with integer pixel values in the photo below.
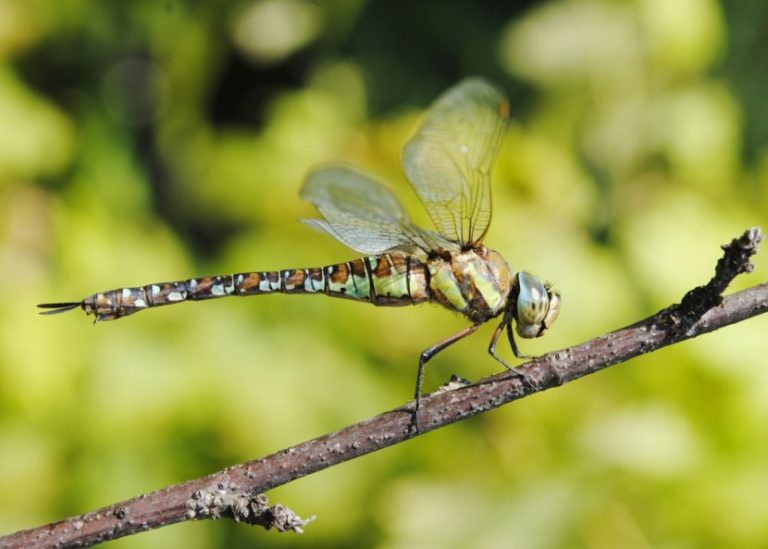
[
  {"x": 363, "y": 214},
  {"x": 449, "y": 159}
]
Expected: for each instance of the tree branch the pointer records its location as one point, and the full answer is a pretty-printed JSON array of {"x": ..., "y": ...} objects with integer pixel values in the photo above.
[{"x": 236, "y": 491}]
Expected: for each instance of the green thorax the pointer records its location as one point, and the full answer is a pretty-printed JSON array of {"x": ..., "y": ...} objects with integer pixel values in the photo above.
[{"x": 475, "y": 282}]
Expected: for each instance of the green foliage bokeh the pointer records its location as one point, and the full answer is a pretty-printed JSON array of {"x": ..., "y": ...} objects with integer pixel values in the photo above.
[{"x": 158, "y": 140}]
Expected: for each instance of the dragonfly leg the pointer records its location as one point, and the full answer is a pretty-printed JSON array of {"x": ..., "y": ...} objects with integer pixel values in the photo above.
[
  {"x": 511, "y": 337},
  {"x": 432, "y": 351},
  {"x": 495, "y": 340},
  {"x": 492, "y": 350}
]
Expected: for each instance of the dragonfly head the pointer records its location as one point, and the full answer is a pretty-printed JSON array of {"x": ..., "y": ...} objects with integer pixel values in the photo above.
[{"x": 535, "y": 306}]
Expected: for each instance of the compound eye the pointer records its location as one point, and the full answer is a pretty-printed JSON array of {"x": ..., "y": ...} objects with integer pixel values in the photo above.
[{"x": 532, "y": 305}]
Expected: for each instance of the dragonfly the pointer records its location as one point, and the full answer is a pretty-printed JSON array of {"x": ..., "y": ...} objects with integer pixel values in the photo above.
[{"x": 448, "y": 162}]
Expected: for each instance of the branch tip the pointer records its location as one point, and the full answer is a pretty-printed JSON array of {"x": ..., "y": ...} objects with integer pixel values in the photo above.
[{"x": 736, "y": 260}]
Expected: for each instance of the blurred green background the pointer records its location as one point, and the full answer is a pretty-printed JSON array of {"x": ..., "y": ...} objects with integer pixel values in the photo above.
[{"x": 158, "y": 140}]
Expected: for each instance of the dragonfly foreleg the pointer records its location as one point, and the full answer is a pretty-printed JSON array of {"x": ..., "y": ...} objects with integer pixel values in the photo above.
[{"x": 513, "y": 344}]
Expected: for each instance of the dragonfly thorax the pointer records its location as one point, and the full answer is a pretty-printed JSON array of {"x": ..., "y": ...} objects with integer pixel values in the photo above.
[{"x": 475, "y": 282}]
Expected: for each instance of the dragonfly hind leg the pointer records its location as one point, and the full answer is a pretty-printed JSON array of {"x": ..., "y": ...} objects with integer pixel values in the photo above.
[{"x": 432, "y": 351}]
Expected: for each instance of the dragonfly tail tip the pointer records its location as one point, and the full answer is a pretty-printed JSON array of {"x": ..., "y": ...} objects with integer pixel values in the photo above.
[{"x": 56, "y": 308}]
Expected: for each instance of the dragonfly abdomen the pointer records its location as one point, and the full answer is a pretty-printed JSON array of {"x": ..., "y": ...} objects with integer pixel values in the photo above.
[{"x": 387, "y": 279}]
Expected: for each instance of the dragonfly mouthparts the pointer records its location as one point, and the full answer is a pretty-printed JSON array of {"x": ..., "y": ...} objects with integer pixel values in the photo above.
[{"x": 59, "y": 307}]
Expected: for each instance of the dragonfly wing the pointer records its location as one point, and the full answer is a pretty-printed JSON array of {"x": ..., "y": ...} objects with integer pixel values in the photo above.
[
  {"x": 449, "y": 159},
  {"x": 362, "y": 213}
]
